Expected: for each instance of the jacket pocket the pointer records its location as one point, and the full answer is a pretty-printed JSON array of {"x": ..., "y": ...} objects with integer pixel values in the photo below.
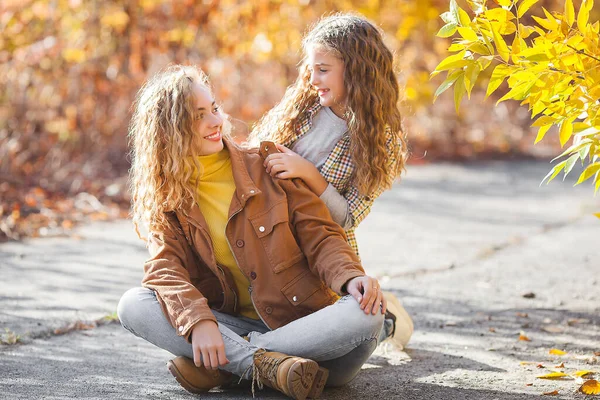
[
  {"x": 275, "y": 234},
  {"x": 307, "y": 292}
]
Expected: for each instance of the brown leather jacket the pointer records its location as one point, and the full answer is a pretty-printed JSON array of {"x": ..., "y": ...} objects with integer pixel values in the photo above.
[{"x": 282, "y": 237}]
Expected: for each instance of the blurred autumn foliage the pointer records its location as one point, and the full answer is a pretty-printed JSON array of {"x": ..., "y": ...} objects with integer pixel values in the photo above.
[{"x": 69, "y": 71}]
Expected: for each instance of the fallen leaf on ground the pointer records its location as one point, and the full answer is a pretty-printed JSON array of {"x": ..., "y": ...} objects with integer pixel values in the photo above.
[
  {"x": 583, "y": 373},
  {"x": 529, "y": 295},
  {"x": 493, "y": 330},
  {"x": 553, "y": 329},
  {"x": 554, "y": 375},
  {"x": 552, "y": 393},
  {"x": 597, "y": 353},
  {"x": 529, "y": 384},
  {"x": 590, "y": 387},
  {"x": 557, "y": 352},
  {"x": 527, "y": 362},
  {"x": 575, "y": 321},
  {"x": 540, "y": 365},
  {"x": 561, "y": 365},
  {"x": 524, "y": 338},
  {"x": 522, "y": 315}
]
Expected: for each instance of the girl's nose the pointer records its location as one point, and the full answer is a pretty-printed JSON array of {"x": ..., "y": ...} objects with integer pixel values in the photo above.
[{"x": 217, "y": 120}]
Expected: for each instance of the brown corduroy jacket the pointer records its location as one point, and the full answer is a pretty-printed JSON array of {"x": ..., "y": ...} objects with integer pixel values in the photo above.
[{"x": 282, "y": 237}]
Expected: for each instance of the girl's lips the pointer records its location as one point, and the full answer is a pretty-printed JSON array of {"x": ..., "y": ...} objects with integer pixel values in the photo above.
[
  {"x": 322, "y": 91},
  {"x": 215, "y": 137}
]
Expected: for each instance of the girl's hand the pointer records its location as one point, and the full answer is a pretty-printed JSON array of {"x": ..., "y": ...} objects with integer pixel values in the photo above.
[
  {"x": 367, "y": 292},
  {"x": 287, "y": 165},
  {"x": 208, "y": 343}
]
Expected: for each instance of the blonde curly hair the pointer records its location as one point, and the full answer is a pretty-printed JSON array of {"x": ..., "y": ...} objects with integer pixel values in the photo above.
[
  {"x": 372, "y": 112},
  {"x": 161, "y": 137}
]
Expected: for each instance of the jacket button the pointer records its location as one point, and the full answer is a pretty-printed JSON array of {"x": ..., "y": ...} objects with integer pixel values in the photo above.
[
  {"x": 253, "y": 275},
  {"x": 239, "y": 243},
  {"x": 295, "y": 298},
  {"x": 252, "y": 192},
  {"x": 269, "y": 310},
  {"x": 181, "y": 329},
  {"x": 261, "y": 228}
]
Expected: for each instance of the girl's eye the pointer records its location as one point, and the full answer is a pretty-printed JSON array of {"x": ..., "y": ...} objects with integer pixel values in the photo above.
[
  {"x": 322, "y": 70},
  {"x": 216, "y": 109},
  {"x": 200, "y": 116}
]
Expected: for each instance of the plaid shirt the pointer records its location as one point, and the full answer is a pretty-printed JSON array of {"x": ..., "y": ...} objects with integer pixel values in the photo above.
[{"x": 337, "y": 170}]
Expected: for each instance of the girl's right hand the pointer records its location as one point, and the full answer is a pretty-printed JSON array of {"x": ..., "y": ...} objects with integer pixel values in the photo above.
[{"x": 208, "y": 345}]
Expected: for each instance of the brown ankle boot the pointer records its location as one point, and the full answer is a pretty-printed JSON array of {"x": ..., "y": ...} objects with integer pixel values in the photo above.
[
  {"x": 293, "y": 376},
  {"x": 196, "y": 379}
]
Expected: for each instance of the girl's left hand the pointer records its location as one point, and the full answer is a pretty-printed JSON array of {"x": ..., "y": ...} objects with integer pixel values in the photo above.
[
  {"x": 367, "y": 292},
  {"x": 287, "y": 164}
]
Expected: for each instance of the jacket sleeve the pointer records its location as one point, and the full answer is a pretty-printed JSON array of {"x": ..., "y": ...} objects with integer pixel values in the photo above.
[
  {"x": 321, "y": 239},
  {"x": 183, "y": 304}
]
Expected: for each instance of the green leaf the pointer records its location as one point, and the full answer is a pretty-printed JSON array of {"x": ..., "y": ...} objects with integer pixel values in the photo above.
[
  {"x": 553, "y": 172},
  {"x": 588, "y": 172},
  {"x": 476, "y": 6},
  {"x": 541, "y": 132},
  {"x": 565, "y": 131},
  {"x": 449, "y": 18},
  {"x": 570, "y": 163},
  {"x": 454, "y": 11},
  {"x": 524, "y": 6},
  {"x": 450, "y": 79},
  {"x": 447, "y": 30},
  {"x": 575, "y": 148},
  {"x": 459, "y": 91},
  {"x": 500, "y": 72},
  {"x": 569, "y": 12}
]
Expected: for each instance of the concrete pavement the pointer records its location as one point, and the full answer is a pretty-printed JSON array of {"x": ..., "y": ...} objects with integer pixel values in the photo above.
[{"x": 460, "y": 244}]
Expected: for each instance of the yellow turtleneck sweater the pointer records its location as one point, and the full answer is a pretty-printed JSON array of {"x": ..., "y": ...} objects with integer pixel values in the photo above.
[{"x": 215, "y": 188}]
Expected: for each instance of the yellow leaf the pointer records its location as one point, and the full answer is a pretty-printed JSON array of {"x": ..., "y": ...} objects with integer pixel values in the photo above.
[
  {"x": 569, "y": 12},
  {"x": 463, "y": 17},
  {"x": 565, "y": 132},
  {"x": 471, "y": 73},
  {"x": 525, "y": 30},
  {"x": 500, "y": 72},
  {"x": 541, "y": 132},
  {"x": 597, "y": 214},
  {"x": 583, "y": 373},
  {"x": 499, "y": 14},
  {"x": 588, "y": 172},
  {"x": 554, "y": 375},
  {"x": 500, "y": 43},
  {"x": 73, "y": 55},
  {"x": 557, "y": 352},
  {"x": 505, "y": 3},
  {"x": 453, "y": 61},
  {"x": 590, "y": 387},
  {"x": 479, "y": 48},
  {"x": 524, "y": 6},
  {"x": 468, "y": 33},
  {"x": 459, "y": 91},
  {"x": 583, "y": 16}
]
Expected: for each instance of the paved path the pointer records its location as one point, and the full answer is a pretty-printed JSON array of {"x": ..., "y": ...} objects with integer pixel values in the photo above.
[{"x": 460, "y": 244}]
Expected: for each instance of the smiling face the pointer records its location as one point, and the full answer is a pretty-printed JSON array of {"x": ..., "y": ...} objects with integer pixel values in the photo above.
[
  {"x": 208, "y": 122},
  {"x": 327, "y": 77}
]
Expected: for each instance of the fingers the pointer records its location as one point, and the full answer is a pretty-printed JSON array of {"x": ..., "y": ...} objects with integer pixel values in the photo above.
[
  {"x": 197, "y": 359},
  {"x": 222, "y": 358},
  {"x": 383, "y": 304},
  {"x": 282, "y": 148},
  {"x": 205, "y": 357},
  {"x": 377, "y": 303},
  {"x": 355, "y": 292},
  {"x": 370, "y": 297}
]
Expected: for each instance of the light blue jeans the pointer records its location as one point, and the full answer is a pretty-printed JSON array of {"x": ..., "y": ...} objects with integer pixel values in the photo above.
[{"x": 340, "y": 337}]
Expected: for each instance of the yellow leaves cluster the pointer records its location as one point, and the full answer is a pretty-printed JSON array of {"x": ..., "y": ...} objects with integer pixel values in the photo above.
[{"x": 553, "y": 67}]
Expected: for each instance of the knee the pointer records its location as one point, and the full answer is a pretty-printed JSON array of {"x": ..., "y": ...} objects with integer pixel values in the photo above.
[
  {"x": 356, "y": 320},
  {"x": 128, "y": 306}
]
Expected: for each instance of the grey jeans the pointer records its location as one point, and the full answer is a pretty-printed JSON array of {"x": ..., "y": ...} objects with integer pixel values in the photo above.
[{"x": 340, "y": 337}]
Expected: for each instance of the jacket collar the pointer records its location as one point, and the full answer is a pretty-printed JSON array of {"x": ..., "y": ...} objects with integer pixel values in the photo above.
[{"x": 244, "y": 187}]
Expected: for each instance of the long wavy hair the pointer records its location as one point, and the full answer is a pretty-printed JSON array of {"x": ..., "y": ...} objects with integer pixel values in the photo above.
[
  {"x": 161, "y": 137},
  {"x": 372, "y": 112}
]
